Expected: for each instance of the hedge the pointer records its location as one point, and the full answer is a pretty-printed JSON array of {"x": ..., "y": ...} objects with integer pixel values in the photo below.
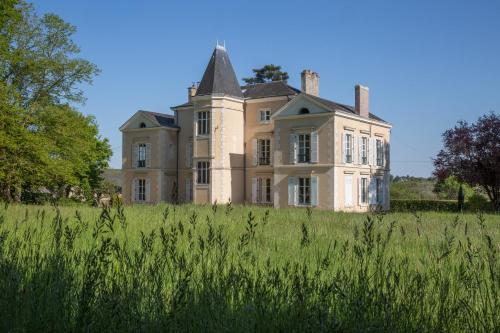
[{"x": 437, "y": 205}]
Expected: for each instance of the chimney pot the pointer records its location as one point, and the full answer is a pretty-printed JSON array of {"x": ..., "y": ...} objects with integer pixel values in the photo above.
[
  {"x": 361, "y": 97},
  {"x": 309, "y": 82}
]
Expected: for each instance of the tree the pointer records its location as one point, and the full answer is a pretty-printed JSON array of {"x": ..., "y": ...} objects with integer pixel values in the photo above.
[
  {"x": 449, "y": 187},
  {"x": 471, "y": 153},
  {"x": 44, "y": 142},
  {"x": 460, "y": 198},
  {"x": 267, "y": 73}
]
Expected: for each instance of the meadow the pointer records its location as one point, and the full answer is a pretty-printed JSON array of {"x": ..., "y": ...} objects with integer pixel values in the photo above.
[{"x": 238, "y": 269}]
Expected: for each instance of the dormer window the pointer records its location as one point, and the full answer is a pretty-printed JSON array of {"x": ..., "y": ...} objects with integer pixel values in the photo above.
[
  {"x": 142, "y": 125},
  {"x": 304, "y": 111}
]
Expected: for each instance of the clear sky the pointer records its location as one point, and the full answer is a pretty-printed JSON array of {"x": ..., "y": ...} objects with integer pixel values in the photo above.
[{"x": 428, "y": 63}]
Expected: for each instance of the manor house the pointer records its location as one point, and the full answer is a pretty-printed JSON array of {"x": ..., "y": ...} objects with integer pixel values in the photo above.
[{"x": 268, "y": 144}]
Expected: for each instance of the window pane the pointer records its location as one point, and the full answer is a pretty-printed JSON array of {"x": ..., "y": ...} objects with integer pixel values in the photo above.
[
  {"x": 304, "y": 148},
  {"x": 203, "y": 122},
  {"x": 268, "y": 190},
  {"x": 348, "y": 148},
  {"x": 264, "y": 152},
  {"x": 304, "y": 191},
  {"x": 141, "y": 162}
]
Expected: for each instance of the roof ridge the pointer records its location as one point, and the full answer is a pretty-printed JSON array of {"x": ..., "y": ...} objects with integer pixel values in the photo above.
[{"x": 257, "y": 83}]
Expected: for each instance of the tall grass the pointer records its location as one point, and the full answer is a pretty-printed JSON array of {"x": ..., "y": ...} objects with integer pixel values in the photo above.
[{"x": 233, "y": 268}]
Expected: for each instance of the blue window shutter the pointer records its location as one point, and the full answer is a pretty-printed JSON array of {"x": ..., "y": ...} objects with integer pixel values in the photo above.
[
  {"x": 314, "y": 191},
  {"x": 254, "y": 152},
  {"x": 314, "y": 146},
  {"x": 292, "y": 148},
  {"x": 148, "y": 155},
  {"x": 292, "y": 185},
  {"x": 135, "y": 156}
]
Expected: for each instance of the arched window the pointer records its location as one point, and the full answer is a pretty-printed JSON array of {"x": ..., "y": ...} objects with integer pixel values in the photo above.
[
  {"x": 142, "y": 125},
  {"x": 304, "y": 111}
]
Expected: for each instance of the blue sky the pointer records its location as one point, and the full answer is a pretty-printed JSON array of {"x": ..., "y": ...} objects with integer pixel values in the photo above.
[{"x": 428, "y": 63}]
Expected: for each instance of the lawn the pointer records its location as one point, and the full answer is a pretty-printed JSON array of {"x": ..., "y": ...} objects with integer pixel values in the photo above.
[{"x": 236, "y": 268}]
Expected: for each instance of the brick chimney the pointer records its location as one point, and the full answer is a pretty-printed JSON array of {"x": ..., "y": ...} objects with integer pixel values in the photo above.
[
  {"x": 309, "y": 82},
  {"x": 192, "y": 91},
  {"x": 361, "y": 106}
]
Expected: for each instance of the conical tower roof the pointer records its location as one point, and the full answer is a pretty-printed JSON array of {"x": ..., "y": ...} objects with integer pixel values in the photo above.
[{"x": 219, "y": 77}]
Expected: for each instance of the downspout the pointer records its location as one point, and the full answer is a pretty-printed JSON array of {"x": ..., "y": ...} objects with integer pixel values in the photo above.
[
  {"x": 177, "y": 166},
  {"x": 244, "y": 155}
]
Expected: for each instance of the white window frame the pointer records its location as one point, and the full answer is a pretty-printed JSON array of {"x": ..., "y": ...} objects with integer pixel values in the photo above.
[
  {"x": 264, "y": 193},
  {"x": 142, "y": 155},
  {"x": 348, "y": 151},
  {"x": 264, "y": 151},
  {"x": 264, "y": 116},
  {"x": 203, "y": 123},
  {"x": 202, "y": 172},
  {"x": 140, "y": 190},
  {"x": 304, "y": 191},
  {"x": 363, "y": 156},
  {"x": 305, "y": 148},
  {"x": 141, "y": 185}
]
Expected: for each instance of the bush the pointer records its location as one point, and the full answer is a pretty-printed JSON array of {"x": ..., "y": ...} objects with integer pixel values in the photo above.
[
  {"x": 478, "y": 202},
  {"x": 475, "y": 203},
  {"x": 424, "y": 205}
]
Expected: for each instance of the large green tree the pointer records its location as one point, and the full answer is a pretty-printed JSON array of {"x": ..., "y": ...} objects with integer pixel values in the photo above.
[
  {"x": 45, "y": 143},
  {"x": 267, "y": 73},
  {"x": 471, "y": 153}
]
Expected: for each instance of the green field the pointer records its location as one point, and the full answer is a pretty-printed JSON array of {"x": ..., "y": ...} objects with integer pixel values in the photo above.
[{"x": 234, "y": 268}]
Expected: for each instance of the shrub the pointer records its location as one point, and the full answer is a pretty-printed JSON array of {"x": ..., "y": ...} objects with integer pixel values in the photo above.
[
  {"x": 478, "y": 202},
  {"x": 424, "y": 205},
  {"x": 475, "y": 203}
]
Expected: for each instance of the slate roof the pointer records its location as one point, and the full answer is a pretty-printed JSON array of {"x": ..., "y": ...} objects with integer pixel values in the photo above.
[
  {"x": 269, "y": 89},
  {"x": 219, "y": 77},
  {"x": 341, "y": 107},
  {"x": 165, "y": 120}
]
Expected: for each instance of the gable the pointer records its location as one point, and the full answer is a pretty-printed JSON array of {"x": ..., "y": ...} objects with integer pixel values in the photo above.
[
  {"x": 136, "y": 120},
  {"x": 300, "y": 105}
]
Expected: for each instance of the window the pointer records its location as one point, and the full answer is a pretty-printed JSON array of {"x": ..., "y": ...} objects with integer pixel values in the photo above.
[
  {"x": 265, "y": 116},
  {"x": 363, "y": 196},
  {"x": 379, "y": 190},
  {"x": 304, "y": 191},
  {"x": 203, "y": 172},
  {"x": 348, "y": 148},
  {"x": 264, "y": 151},
  {"x": 141, "y": 155},
  {"x": 203, "y": 122},
  {"x": 140, "y": 190},
  {"x": 304, "y": 148},
  {"x": 304, "y": 111},
  {"x": 264, "y": 190},
  {"x": 142, "y": 125},
  {"x": 380, "y": 153},
  {"x": 364, "y": 150}
]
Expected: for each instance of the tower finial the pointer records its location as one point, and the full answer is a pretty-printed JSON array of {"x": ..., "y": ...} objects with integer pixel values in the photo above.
[{"x": 220, "y": 46}]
